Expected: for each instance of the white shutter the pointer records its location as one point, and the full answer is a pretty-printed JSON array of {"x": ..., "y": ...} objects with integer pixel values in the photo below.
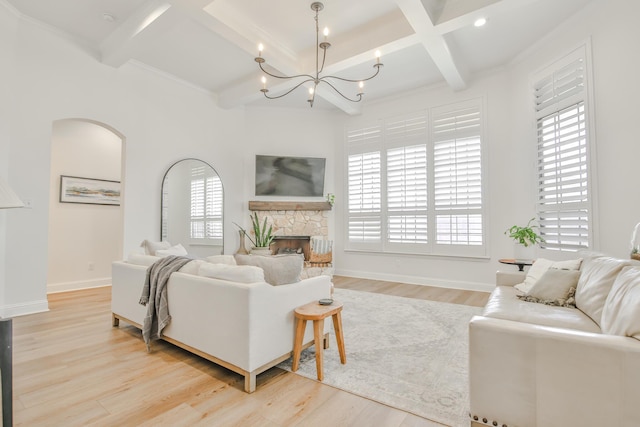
[
  {"x": 457, "y": 163},
  {"x": 406, "y": 179},
  {"x": 563, "y": 164},
  {"x": 206, "y": 205},
  {"x": 364, "y": 187}
]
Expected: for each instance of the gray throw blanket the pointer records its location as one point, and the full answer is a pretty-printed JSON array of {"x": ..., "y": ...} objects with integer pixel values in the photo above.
[{"x": 154, "y": 293}]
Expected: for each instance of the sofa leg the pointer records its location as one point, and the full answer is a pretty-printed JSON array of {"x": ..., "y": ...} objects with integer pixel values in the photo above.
[
  {"x": 115, "y": 322},
  {"x": 250, "y": 382}
]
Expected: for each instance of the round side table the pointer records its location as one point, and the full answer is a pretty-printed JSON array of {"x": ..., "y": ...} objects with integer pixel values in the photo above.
[{"x": 317, "y": 312}]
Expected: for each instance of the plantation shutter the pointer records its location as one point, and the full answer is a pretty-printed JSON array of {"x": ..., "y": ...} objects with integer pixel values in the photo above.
[
  {"x": 563, "y": 191},
  {"x": 206, "y": 205},
  {"x": 364, "y": 187},
  {"x": 406, "y": 178},
  {"x": 457, "y": 166}
]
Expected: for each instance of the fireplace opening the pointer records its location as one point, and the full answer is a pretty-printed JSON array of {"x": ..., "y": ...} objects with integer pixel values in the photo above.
[{"x": 291, "y": 245}]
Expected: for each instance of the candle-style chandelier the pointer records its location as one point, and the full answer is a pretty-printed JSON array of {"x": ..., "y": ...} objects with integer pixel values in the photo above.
[{"x": 317, "y": 79}]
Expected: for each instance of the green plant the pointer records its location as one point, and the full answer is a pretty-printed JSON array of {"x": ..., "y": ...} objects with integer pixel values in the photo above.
[
  {"x": 524, "y": 235},
  {"x": 261, "y": 232}
]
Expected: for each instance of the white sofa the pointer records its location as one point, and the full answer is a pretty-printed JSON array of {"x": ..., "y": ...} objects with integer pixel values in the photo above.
[
  {"x": 532, "y": 364},
  {"x": 245, "y": 327}
]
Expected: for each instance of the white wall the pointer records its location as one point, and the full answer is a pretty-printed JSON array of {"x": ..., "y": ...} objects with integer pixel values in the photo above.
[{"x": 84, "y": 239}]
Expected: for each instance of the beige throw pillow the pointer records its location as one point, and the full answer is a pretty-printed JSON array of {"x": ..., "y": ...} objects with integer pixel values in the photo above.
[
  {"x": 555, "y": 287},
  {"x": 150, "y": 247},
  {"x": 540, "y": 266},
  {"x": 278, "y": 270},
  {"x": 621, "y": 312}
]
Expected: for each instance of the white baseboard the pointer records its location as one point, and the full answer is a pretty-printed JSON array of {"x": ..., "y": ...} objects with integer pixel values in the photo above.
[
  {"x": 81, "y": 284},
  {"x": 413, "y": 280},
  {"x": 13, "y": 310}
]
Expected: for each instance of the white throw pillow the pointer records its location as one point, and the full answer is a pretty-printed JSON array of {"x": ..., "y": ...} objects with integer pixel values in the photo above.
[
  {"x": 621, "y": 312},
  {"x": 177, "y": 250},
  {"x": 596, "y": 280},
  {"x": 221, "y": 259},
  {"x": 150, "y": 247},
  {"x": 278, "y": 270},
  {"x": 540, "y": 266},
  {"x": 141, "y": 259},
  {"x": 535, "y": 272},
  {"x": 555, "y": 287},
  {"x": 233, "y": 273}
]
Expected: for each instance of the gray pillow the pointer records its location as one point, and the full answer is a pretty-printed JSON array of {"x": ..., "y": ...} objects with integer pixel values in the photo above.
[
  {"x": 278, "y": 270},
  {"x": 555, "y": 287}
]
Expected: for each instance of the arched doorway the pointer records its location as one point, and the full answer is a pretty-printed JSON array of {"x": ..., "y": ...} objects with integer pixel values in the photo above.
[{"x": 85, "y": 230}]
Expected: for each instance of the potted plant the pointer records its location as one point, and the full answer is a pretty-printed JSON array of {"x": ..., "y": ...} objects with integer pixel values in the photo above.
[
  {"x": 526, "y": 238},
  {"x": 262, "y": 234}
]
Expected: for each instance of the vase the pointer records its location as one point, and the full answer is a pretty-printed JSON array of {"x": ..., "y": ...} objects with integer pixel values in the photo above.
[
  {"x": 263, "y": 251},
  {"x": 521, "y": 252},
  {"x": 242, "y": 250}
]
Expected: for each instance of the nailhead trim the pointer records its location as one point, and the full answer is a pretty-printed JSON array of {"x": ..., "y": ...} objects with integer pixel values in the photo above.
[{"x": 485, "y": 421}]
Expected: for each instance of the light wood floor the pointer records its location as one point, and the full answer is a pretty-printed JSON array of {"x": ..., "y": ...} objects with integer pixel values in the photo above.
[{"x": 72, "y": 368}]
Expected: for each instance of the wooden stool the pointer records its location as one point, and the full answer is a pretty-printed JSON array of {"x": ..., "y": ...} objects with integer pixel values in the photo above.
[{"x": 316, "y": 312}]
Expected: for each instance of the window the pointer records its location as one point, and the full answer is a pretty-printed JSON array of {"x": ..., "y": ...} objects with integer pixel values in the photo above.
[
  {"x": 415, "y": 183},
  {"x": 206, "y": 206},
  {"x": 564, "y": 202}
]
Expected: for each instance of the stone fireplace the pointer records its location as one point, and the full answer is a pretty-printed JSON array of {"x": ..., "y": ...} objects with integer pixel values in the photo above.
[{"x": 294, "y": 225}]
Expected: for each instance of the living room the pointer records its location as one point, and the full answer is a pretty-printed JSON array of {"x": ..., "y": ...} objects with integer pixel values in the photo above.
[{"x": 46, "y": 78}]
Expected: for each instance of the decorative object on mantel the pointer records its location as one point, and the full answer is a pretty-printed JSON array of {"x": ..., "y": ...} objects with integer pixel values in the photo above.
[
  {"x": 635, "y": 243},
  {"x": 525, "y": 238},
  {"x": 331, "y": 198},
  {"x": 315, "y": 80}
]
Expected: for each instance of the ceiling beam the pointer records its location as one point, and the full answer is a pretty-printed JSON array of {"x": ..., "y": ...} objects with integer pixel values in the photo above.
[
  {"x": 439, "y": 47},
  {"x": 459, "y": 18},
  {"x": 153, "y": 18}
]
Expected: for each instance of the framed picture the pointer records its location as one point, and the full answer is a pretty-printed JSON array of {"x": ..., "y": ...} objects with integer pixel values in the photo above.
[{"x": 74, "y": 189}]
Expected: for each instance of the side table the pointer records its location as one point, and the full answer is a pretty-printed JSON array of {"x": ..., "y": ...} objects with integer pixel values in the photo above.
[
  {"x": 316, "y": 312},
  {"x": 519, "y": 262}
]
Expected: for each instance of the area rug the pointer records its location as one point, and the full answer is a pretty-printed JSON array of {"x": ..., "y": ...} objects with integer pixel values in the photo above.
[{"x": 406, "y": 353}]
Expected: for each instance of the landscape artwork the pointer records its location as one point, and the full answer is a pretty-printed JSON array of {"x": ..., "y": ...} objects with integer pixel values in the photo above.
[{"x": 74, "y": 189}]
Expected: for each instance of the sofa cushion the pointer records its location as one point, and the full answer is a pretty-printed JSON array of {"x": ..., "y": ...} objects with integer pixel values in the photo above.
[
  {"x": 540, "y": 266},
  {"x": 177, "y": 250},
  {"x": 232, "y": 273},
  {"x": 142, "y": 259},
  {"x": 278, "y": 269},
  {"x": 596, "y": 278},
  {"x": 621, "y": 312},
  {"x": 151, "y": 247},
  {"x": 555, "y": 287},
  {"x": 221, "y": 259},
  {"x": 192, "y": 267},
  {"x": 504, "y": 304}
]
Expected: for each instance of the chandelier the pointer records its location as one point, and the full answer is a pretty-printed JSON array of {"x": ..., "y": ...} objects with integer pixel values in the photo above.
[{"x": 316, "y": 79}]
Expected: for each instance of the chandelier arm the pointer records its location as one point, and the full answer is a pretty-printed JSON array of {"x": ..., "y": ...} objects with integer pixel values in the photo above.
[
  {"x": 351, "y": 80},
  {"x": 324, "y": 56},
  {"x": 342, "y": 95},
  {"x": 289, "y": 91},
  {"x": 285, "y": 77}
]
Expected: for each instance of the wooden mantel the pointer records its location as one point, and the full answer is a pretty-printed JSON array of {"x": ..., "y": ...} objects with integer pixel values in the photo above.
[{"x": 289, "y": 206}]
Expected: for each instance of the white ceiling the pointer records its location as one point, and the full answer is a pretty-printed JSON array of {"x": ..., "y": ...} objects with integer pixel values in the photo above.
[{"x": 212, "y": 45}]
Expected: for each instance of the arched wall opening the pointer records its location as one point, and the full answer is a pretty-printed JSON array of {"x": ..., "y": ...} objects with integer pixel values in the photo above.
[{"x": 85, "y": 232}]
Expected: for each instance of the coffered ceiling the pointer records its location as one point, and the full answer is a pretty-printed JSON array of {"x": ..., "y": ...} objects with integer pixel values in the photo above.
[{"x": 212, "y": 44}]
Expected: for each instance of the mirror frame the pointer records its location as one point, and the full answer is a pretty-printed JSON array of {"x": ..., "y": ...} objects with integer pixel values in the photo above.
[{"x": 162, "y": 194}]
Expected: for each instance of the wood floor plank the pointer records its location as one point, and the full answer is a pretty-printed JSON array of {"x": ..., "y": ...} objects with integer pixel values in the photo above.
[{"x": 72, "y": 368}]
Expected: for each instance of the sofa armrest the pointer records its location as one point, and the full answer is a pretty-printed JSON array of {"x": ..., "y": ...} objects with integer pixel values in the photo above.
[
  {"x": 523, "y": 374},
  {"x": 509, "y": 278}
]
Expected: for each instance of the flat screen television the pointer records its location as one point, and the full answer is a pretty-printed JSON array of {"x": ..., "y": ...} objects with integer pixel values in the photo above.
[{"x": 289, "y": 176}]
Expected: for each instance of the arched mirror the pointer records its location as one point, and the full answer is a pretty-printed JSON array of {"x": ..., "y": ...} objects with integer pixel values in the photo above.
[{"x": 193, "y": 208}]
